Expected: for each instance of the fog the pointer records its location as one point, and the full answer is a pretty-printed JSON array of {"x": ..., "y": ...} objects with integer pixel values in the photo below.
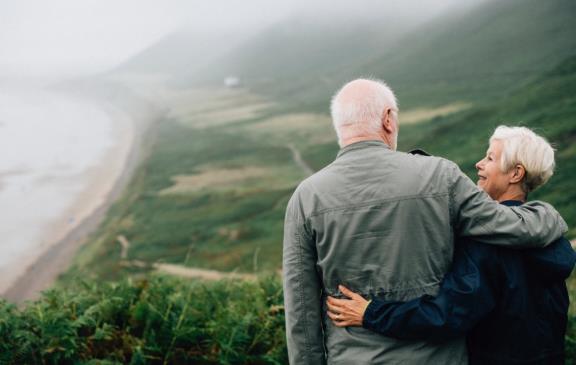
[{"x": 68, "y": 37}]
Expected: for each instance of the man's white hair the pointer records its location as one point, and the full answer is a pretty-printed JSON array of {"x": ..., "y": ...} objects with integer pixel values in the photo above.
[
  {"x": 521, "y": 146},
  {"x": 363, "y": 113}
]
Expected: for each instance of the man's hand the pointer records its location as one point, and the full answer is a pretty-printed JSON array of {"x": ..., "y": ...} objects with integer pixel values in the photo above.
[{"x": 347, "y": 312}]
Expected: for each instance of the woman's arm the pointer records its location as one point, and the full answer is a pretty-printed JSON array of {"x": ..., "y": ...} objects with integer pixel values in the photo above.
[{"x": 466, "y": 295}]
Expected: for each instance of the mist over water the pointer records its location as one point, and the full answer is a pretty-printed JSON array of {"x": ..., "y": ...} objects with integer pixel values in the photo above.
[{"x": 48, "y": 141}]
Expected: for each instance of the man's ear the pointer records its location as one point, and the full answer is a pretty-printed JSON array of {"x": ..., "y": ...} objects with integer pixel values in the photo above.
[
  {"x": 518, "y": 173},
  {"x": 386, "y": 119}
]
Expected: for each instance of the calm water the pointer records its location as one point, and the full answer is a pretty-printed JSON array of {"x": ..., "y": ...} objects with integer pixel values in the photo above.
[{"x": 48, "y": 140}]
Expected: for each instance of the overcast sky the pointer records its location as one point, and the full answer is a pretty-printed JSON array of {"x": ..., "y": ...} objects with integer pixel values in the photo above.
[{"x": 72, "y": 36}]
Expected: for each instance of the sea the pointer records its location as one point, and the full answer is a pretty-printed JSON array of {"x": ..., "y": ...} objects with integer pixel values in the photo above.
[{"x": 48, "y": 140}]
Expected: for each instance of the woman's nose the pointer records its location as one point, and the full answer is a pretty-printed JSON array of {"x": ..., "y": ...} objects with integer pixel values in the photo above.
[{"x": 479, "y": 164}]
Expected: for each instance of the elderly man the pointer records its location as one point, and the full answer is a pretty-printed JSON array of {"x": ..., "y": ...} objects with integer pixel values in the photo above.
[{"x": 381, "y": 223}]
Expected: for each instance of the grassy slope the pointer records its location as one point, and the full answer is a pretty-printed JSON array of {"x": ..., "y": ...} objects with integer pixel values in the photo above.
[
  {"x": 477, "y": 54},
  {"x": 223, "y": 225},
  {"x": 481, "y": 54}
]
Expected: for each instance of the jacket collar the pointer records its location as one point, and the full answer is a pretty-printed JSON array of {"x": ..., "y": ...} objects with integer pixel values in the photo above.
[
  {"x": 511, "y": 203},
  {"x": 362, "y": 145}
]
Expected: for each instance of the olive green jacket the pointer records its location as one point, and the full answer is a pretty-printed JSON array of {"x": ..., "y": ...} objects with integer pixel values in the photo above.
[{"x": 382, "y": 223}]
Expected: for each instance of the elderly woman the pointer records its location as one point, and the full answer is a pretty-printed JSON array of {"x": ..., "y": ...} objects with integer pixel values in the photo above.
[{"x": 510, "y": 304}]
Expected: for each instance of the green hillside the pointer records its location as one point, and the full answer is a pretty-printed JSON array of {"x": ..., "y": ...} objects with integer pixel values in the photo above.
[
  {"x": 481, "y": 54},
  {"x": 281, "y": 58},
  {"x": 476, "y": 53}
]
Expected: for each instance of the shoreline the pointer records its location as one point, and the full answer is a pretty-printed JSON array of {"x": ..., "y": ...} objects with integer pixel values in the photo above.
[{"x": 54, "y": 256}]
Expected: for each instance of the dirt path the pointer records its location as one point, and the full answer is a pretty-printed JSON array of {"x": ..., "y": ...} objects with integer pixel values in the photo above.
[
  {"x": 125, "y": 246},
  {"x": 299, "y": 161},
  {"x": 189, "y": 272}
]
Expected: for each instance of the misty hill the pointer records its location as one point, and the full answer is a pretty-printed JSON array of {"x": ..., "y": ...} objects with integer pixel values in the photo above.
[
  {"x": 305, "y": 40},
  {"x": 482, "y": 52},
  {"x": 283, "y": 54},
  {"x": 179, "y": 53},
  {"x": 471, "y": 53}
]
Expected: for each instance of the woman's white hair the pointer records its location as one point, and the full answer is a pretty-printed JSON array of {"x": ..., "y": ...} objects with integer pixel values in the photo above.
[
  {"x": 363, "y": 114},
  {"x": 521, "y": 146}
]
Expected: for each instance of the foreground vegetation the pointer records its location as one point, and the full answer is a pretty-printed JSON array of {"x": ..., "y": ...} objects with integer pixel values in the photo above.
[{"x": 160, "y": 320}]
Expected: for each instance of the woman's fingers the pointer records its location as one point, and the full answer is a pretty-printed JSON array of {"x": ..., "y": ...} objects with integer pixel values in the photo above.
[
  {"x": 333, "y": 307},
  {"x": 346, "y": 312},
  {"x": 339, "y": 302},
  {"x": 339, "y": 319},
  {"x": 333, "y": 316},
  {"x": 344, "y": 319},
  {"x": 347, "y": 292}
]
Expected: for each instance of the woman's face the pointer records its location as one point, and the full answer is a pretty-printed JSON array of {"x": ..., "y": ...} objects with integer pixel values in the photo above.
[{"x": 491, "y": 179}]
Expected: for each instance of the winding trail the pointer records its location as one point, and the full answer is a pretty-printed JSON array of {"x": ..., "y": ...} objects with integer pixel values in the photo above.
[
  {"x": 299, "y": 161},
  {"x": 125, "y": 245},
  {"x": 188, "y": 272}
]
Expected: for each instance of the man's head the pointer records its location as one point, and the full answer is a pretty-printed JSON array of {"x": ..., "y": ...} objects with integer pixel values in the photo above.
[{"x": 365, "y": 109}]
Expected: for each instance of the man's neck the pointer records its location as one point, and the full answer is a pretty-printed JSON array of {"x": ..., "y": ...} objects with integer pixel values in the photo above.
[{"x": 352, "y": 140}]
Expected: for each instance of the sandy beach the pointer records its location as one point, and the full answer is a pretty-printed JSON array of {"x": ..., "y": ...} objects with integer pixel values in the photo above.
[{"x": 105, "y": 181}]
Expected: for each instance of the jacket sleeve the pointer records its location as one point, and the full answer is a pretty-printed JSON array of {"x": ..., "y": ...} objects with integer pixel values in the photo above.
[
  {"x": 467, "y": 294},
  {"x": 554, "y": 262},
  {"x": 302, "y": 290},
  {"x": 475, "y": 215}
]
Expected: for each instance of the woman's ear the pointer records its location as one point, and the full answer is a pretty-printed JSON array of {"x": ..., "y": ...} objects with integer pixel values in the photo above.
[{"x": 518, "y": 174}]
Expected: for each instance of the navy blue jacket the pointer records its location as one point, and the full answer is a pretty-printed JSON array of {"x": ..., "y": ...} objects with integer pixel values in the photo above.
[{"x": 511, "y": 304}]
